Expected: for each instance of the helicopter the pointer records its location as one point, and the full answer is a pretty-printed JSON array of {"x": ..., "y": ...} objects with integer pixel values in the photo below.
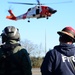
[{"x": 38, "y": 11}]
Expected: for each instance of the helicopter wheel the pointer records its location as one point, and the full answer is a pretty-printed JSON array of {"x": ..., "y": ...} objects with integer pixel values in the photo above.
[
  {"x": 28, "y": 20},
  {"x": 47, "y": 18}
]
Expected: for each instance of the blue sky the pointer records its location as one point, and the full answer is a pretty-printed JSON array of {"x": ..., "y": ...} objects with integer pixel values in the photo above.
[{"x": 35, "y": 30}]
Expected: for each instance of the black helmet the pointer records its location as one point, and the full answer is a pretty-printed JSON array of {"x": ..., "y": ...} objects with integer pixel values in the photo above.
[{"x": 10, "y": 33}]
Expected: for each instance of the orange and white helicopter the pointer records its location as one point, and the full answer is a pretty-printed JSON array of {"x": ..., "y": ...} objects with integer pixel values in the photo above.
[{"x": 38, "y": 11}]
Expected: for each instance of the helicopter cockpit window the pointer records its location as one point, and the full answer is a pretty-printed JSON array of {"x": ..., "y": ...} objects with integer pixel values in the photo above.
[{"x": 51, "y": 10}]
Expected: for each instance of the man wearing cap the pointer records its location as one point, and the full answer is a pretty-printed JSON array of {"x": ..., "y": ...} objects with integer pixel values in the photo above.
[{"x": 61, "y": 59}]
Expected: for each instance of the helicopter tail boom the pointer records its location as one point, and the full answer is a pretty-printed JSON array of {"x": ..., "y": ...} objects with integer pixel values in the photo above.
[{"x": 12, "y": 16}]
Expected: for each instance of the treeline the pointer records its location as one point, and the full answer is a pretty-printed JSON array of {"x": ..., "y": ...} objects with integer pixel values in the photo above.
[
  {"x": 34, "y": 50},
  {"x": 36, "y": 62}
]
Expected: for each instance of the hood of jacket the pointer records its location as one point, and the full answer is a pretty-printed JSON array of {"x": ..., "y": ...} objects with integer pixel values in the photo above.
[{"x": 66, "y": 49}]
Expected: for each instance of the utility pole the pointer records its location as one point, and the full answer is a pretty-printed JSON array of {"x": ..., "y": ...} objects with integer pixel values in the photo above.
[{"x": 45, "y": 41}]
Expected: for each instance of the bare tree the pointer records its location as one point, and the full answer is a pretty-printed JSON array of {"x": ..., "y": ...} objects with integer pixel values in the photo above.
[
  {"x": 28, "y": 45},
  {"x": 33, "y": 49}
]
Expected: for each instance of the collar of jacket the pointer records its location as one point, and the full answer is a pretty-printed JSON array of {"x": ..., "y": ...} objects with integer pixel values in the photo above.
[{"x": 11, "y": 42}]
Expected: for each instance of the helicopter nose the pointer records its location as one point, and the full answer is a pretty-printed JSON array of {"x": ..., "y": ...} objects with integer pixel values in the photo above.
[{"x": 52, "y": 11}]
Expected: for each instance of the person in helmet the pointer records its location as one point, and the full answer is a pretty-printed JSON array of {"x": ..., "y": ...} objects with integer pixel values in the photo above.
[
  {"x": 14, "y": 59},
  {"x": 61, "y": 59}
]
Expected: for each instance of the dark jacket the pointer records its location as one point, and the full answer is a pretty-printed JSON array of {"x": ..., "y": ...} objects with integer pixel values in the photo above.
[
  {"x": 14, "y": 61},
  {"x": 59, "y": 61}
]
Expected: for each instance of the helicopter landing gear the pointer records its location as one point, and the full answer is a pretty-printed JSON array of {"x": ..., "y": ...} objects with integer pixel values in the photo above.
[
  {"x": 28, "y": 20},
  {"x": 47, "y": 18}
]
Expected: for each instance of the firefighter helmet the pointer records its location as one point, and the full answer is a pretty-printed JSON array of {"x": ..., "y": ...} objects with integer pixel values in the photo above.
[{"x": 67, "y": 31}]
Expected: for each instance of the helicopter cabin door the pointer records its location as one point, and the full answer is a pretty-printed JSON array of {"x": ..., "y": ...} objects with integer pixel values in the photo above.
[{"x": 37, "y": 11}]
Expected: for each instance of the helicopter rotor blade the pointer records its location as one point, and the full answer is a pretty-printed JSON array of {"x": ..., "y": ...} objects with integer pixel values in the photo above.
[
  {"x": 70, "y": 1},
  {"x": 23, "y": 3},
  {"x": 38, "y": 2},
  {"x": 61, "y": 2}
]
